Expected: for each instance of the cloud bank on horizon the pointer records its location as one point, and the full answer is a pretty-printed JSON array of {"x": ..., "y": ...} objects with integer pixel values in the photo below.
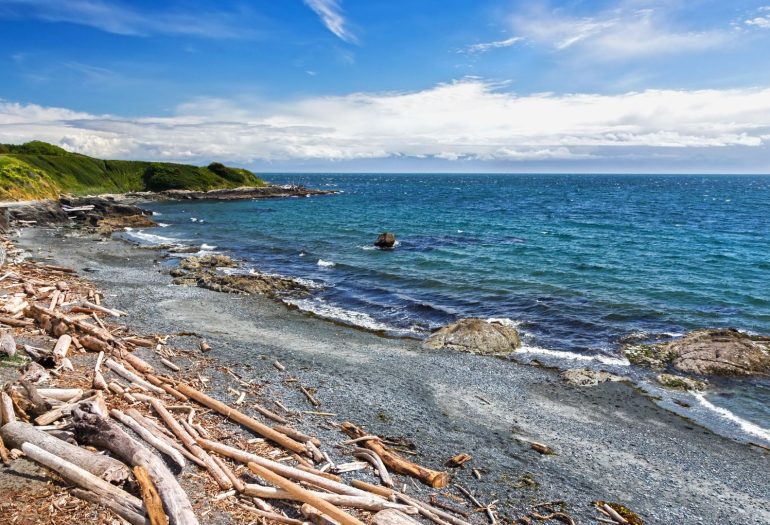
[{"x": 647, "y": 100}]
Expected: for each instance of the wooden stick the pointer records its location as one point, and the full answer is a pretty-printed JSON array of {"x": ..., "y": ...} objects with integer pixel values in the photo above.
[
  {"x": 376, "y": 461},
  {"x": 297, "y": 435},
  {"x": 374, "y": 489},
  {"x": 243, "y": 419},
  {"x": 6, "y": 408},
  {"x": 150, "y": 497},
  {"x": 239, "y": 485},
  {"x": 271, "y": 515},
  {"x": 220, "y": 477},
  {"x": 130, "y": 376},
  {"x": 304, "y": 495},
  {"x": 271, "y": 415},
  {"x": 163, "y": 435},
  {"x": 395, "y": 462}
]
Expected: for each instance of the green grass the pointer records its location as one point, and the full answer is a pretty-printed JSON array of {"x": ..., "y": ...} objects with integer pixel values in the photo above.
[{"x": 39, "y": 170}]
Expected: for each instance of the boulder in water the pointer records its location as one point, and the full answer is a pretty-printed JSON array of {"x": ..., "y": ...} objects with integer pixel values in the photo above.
[
  {"x": 385, "y": 240},
  {"x": 676, "y": 382},
  {"x": 476, "y": 336},
  {"x": 720, "y": 352}
]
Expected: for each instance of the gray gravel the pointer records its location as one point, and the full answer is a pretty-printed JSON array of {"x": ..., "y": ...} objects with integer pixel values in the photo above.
[{"x": 612, "y": 443}]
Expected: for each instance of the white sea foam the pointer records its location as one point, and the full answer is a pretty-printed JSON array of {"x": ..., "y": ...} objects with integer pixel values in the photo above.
[
  {"x": 324, "y": 309},
  {"x": 157, "y": 213},
  {"x": 150, "y": 238},
  {"x": 368, "y": 247},
  {"x": 302, "y": 254},
  {"x": 572, "y": 356},
  {"x": 308, "y": 283},
  {"x": 504, "y": 321},
  {"x": 747, "y": 426},
  {"x": 326, "y": 264},
  {"x": 163, "y": 225},
  {"x": 208, "y": 247}
]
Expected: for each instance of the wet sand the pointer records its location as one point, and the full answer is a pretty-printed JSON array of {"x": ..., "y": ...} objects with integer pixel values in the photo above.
[{"x": 611, "y": 442}]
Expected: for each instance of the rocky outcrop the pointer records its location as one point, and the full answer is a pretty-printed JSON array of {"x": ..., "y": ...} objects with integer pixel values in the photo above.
[
  {"x": 586, "y": 377},
  {"x": 676, "y": 382},
  {"x": 476, "y": 336},
  {"x": 246, "y": 192},
  {"x": 204, "y": 272},
  {"x": 385, "y": 240},
  {"x": 88, "y": 212},
  {"x": 722, "y": 352},
  {"x": 109, "y": 225}
]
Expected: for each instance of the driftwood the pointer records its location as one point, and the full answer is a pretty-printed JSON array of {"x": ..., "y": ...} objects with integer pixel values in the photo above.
[
  {"x": 395, "y": 462},
  {"x": 163, "y": 434},
  {"x": 150, "y": 497},
  {"x": 109, "y": 469},
  {"x": 304, "y": 495},
  {"x": 97, "y": 431},
  {"x": 74, "y": 474},
  {"x": 108, "y": 502},
  {"x": 239, "y": 417},
  {"x": 60, "y": 394},
  {"x": 393, "y": 517},
  {"x": 130, "y": 376},
  {"x": 99, "y": 383},
  {"x": 370, "y": 503},
  {"x": 159, "y": 444},
  {"x": 284, "y": 470},
  {"x": 220, "y": 477},
  {"x": 374, "y": 489}
]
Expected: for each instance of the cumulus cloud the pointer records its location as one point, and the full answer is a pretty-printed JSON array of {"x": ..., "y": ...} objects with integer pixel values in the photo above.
[
  {"x": 761, "y": 21},
  {"x": 626, "y": 31},
  {"x": 330, "y": 13},
  {"x": 464, "y": 120},
  {"x": 115, "y": 17}
]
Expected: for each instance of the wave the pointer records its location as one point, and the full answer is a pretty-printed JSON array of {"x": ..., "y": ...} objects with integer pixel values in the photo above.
[
  {"x": 149, "y": 238},
  {"x": 323, "y": 309},
  {"x": 572, "y": 356},
  {"x": 746, "y": 426},
  {"x": 326, "y": 264},
  {"x": 163, "y": 225},
  {"x": 207, "y": 247}
]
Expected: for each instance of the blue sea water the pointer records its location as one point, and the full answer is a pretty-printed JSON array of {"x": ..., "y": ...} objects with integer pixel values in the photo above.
[{"x": 581, "y": 263}]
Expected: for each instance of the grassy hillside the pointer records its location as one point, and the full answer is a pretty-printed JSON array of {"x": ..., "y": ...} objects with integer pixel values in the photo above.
[{"x": 39, "y": 170}]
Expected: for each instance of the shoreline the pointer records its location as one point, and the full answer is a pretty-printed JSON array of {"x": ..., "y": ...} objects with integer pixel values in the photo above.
[{"x": 608, "y": 430}]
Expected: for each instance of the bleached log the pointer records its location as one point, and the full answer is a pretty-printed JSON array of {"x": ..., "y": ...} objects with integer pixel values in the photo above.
[
  {"x": 220, "y": 477},
  {"x": 100, "y": 432},
  {"x": 393, "y": 517},
  {"x": 6, "y": 408},
  {"x": 62, "y": 348},
  {"x": 130, "y": 376},
  {"x": 159, "y": 444},
  {"x": 370, "y": 502},
  {"x": 99, "y": 308},
  {"x": 74, "y": 474},
  {"x": 60, "y": 394},
  {"x": 163, "y": 434},
  {"x": 110, "y": 503}
]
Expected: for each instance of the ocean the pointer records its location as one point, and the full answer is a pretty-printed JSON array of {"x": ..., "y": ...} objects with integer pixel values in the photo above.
[{"x": 580, "y": 264}]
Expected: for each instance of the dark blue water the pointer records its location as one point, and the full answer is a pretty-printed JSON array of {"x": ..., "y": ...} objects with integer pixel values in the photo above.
[{"x": 583, "y": 263}]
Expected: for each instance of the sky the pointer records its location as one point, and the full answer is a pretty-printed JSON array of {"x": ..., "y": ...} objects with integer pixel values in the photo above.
[{"x": 632, "y": 86}]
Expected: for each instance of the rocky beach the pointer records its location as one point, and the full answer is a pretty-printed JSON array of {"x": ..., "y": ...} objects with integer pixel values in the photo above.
[{"x": 607, "y": 442}]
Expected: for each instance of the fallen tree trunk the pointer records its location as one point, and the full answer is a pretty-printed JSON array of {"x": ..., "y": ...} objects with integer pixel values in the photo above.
[
  {"x": 74, "y": 474},
  {"x": 370, "y": 503},
  {"x": 395, "y": 462},
  {"x": 149, "y": 437},
  {"x": 97, "y": 431},
  {"x": 17, "y": 433},
  {"x": 239, "y": 417}
]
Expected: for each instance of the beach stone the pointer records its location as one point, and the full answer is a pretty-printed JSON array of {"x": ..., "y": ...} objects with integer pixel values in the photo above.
[
  {"x": 677, "y": 382},
  {"x": 586, "y": 377},
  {"x": 476, "y": 336},
  {"x": 385, "y": 240},
  {"x": 721, "y": 352}
]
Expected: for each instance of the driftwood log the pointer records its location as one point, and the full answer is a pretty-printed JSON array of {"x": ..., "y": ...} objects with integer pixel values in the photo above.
[
  {"x": 132, "y": 509},
  {"x": 395, "y": 462},
  {"x": 370, "y": 503},
  {"x": 150, "y": 497},
  {"x": 97, "y": 431},
  {"x": 17, "y": 433}
]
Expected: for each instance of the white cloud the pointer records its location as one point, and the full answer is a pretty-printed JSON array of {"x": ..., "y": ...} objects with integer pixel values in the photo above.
[
  {"x": 114, "y": 17},
  {"x": 487, "y": 46},
  {"x": 619, "y": 33},
  {"x": 330, "y": 13},
  {"x": 464, "y": 120},
  {"x": 763, "y": 20}
]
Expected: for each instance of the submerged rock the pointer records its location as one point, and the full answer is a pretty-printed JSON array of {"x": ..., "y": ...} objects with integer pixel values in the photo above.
[
  {"x": 385, "y": 240},
  {"x": 723, "y": 352},
  {"x": 586, "y": 377},
  {"x": 681, "y": 383},
  {"x": 475, "y": 336}
]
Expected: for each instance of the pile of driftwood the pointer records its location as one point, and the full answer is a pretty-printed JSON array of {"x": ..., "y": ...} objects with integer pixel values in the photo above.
[{"x": 73, "y": 420}]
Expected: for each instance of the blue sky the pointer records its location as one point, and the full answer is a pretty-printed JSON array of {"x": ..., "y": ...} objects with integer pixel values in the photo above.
[{"x": 344, "y": 85}]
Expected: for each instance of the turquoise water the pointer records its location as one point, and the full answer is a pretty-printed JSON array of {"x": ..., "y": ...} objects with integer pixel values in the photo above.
[{"x": 580, "y": 263}]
